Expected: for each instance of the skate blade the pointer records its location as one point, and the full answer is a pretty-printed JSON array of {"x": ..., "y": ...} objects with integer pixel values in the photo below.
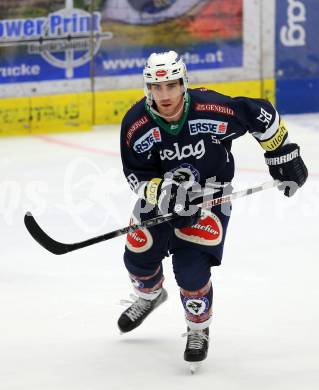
[{"x": 194, "y": 367}]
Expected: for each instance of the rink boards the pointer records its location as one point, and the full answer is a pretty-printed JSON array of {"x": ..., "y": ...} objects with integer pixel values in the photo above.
[
  {"x": 51, "y": 82},
  {"x": 78, "y": 112}
]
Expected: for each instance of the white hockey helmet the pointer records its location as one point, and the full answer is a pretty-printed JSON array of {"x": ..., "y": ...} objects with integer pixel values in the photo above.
[{"x": 164, "y": 67}]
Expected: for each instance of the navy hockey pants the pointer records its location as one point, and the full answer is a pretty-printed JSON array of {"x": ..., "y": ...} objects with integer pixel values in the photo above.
[{"x": 194, "y": 250}]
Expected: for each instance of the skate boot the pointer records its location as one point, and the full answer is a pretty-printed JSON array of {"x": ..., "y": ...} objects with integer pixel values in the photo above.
[
  {"x": 139, "y": 309},
  {"x": 196, "y": 347}
]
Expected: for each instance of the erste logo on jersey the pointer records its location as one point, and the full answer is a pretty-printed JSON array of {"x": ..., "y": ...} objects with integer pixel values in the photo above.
[
  {"x": 209, "y": 126},
  {"x": 186, "y": 151},
  {"x": 145, "y": 143}
]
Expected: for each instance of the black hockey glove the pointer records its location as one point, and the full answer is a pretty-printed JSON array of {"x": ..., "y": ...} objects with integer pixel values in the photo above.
[
  {"x": 171, "y": 196},
  {"x": 286, "y": 165}
]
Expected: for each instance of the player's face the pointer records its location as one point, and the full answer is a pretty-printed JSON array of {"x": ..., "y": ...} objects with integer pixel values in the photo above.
[{"x": 168, "y": 96}]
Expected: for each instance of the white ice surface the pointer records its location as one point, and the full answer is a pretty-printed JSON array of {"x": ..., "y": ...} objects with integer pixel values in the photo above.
[{"x": 58, "y": 313}]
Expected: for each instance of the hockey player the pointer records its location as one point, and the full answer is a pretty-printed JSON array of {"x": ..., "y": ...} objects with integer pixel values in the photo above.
[{"x": 175, "y": 142}]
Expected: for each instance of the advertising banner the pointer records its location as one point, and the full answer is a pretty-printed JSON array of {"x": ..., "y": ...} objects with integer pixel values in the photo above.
[
  {"x": 99, "y": 47},
  {"x": 47, "y": 40},
  {"x": 43, "y": 40},
  {"x": 208, "y": 34},
  {"x": 297, "y": 55}
]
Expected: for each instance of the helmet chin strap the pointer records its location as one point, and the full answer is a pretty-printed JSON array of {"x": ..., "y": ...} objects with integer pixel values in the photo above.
[{"x": 171, "y": 116}]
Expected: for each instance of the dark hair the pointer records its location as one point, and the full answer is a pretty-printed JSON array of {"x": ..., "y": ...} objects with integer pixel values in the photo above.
[{"x": 180, "y": 82}]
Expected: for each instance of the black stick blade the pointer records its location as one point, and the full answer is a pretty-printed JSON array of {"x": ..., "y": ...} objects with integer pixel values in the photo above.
[{"x": 42, "y": 238}]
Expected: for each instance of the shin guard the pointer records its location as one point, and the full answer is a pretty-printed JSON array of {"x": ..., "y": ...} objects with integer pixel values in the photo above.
[
  {"x": 198, "y": 306},
  {"x": 148, "y": 287}
]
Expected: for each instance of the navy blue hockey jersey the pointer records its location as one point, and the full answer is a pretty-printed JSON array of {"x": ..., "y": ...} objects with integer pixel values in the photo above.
[{"x": 200, "y": 141}]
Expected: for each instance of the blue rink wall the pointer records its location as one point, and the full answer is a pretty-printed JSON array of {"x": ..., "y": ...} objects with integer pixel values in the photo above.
[
  {"x": 297, "y": 96},
  {"x": 297, "y": 56}
]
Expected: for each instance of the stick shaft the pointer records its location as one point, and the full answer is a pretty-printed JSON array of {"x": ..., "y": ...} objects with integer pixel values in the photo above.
[{"x": 60, "y": 248}]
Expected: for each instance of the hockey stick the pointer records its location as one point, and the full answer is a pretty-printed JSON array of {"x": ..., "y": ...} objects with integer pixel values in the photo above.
[{"x": 59, "y": 248}]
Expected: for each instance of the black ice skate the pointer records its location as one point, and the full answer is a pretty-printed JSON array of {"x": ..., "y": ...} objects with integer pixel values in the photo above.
[
  {"x": 132, "y": 317},
  {"x": 196, "y": 347}
]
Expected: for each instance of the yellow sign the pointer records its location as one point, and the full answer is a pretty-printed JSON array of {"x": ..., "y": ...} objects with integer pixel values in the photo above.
[
  {"x": 79, "y": 111},
  {"x": 46, "y": 114}
]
